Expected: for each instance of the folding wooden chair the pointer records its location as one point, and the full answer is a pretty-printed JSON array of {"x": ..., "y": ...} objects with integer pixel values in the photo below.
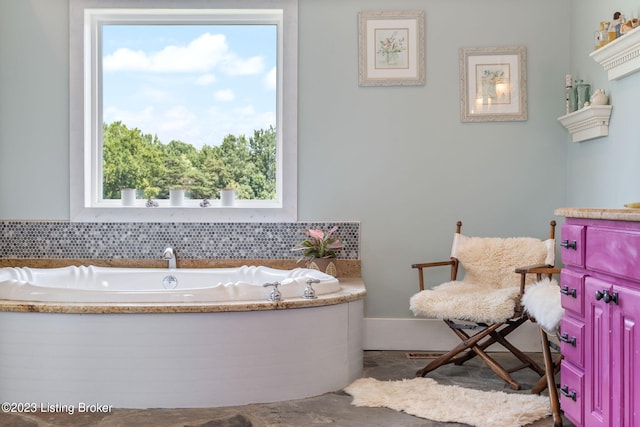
[{"x": 484, "y": 306}]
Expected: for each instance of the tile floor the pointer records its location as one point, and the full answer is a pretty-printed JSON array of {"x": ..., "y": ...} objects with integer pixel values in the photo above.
[{"x": 331, "y": 409}]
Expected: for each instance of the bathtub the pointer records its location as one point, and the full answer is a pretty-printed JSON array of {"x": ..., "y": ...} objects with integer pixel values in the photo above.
[
  {"x": 79, "y": 336},
  {"x": 109, "y": 284}
]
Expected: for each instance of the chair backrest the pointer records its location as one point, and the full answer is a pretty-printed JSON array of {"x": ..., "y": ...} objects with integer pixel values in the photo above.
[{"x": 491, "y": 261}]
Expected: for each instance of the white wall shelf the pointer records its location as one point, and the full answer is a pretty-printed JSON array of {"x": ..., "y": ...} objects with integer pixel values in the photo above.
[
  {"x": 621, "y": 57},
  {"x": 588, "y": 122}
]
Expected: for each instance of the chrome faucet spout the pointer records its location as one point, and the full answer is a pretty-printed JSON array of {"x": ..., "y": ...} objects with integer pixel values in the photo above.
[{"x": 169, "y": 255}]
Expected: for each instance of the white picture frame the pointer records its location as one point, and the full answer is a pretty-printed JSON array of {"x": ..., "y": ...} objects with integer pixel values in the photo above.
[
  {"x": 391, "y": 48},
  {"x": 493, "y": 84}
]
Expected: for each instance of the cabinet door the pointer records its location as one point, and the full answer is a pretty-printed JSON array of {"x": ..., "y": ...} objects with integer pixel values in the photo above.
[
  {"x": 625, "y": 363},
  {"x": 597, "y": 385}
]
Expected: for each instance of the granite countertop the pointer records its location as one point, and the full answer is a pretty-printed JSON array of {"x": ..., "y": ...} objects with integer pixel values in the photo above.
[
  {"x": 352, "y": 289},
  {"x": 596, "y": 213}
]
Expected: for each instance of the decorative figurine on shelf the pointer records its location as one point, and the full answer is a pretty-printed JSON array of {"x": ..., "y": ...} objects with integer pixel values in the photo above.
[
  {"x": 599, "y": 98},
  {"x": 629, "y": 25}
]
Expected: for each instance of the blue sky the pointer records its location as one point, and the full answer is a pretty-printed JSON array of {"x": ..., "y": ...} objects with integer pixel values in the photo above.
[{"x": 192, "y": 83}]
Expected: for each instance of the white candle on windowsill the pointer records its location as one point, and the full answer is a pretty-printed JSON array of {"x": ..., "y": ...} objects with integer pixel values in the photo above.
[
  {"x": 227, "y": 197},
  {"x": 176, "y": 196},
  {"x": 128, "y": 196}
]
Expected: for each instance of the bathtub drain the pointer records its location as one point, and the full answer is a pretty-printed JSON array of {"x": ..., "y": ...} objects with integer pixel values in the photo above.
[{"x": 169, "y": 282}]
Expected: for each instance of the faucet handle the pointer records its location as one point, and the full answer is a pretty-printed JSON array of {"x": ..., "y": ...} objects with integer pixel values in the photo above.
[
  {"x": 309, "y": 292},
  {"x": 275, "y": 294}
]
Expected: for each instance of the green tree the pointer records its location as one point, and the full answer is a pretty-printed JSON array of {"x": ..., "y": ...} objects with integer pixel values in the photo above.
[
  {"x": 136, "y": 160},
  {"x": 131, "y": 159}
]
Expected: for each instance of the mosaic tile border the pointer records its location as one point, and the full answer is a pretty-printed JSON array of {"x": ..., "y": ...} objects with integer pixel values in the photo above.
[{"x": 262, "y": 240}]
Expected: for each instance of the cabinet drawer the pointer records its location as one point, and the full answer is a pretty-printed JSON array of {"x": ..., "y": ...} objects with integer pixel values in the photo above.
[
  {"x": 571, "y": 391},
  {"x": 614, "y": 252},
  {"x": 572, "y": 340},
  {"x": 572, "y": 244},
  {"x": 572, "y": 289}
]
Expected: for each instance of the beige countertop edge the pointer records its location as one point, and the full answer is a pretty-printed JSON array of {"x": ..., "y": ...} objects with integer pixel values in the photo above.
[
  {"x": 352, "y": 289},
  {"x": 595, "y": 213}
]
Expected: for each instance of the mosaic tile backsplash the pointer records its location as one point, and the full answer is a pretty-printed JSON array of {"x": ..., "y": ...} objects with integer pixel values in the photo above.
[{"x": 61, "y": 239}]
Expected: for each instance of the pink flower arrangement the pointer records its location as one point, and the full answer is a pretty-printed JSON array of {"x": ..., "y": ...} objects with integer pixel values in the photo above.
[{"x": 319, "y": 244}]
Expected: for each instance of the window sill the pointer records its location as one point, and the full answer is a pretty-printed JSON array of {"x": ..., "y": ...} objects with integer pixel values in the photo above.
[{"x": 236, "y": 213}]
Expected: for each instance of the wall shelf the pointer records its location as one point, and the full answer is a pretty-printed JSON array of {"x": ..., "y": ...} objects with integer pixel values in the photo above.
[
  {"x": 588, "y": 122},
  {"x": 621, "y": 57}
]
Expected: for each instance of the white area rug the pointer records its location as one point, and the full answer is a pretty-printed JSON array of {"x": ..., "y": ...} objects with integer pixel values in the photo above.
[{"x": 425, "y": 398}]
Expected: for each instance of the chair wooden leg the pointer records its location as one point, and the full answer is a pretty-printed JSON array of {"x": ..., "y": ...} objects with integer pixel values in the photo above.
[
  {"x": 496, "y": 368},
  {"x": 466, "y": 344},
  {"x": 550, "y": 370},
  {"x": 471, "y": 343},
  {"x": 528, "y": 362},
  {"x": 499, "y": 337}
]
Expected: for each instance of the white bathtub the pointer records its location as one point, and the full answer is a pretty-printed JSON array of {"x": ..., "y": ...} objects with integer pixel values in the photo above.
[
  {"x": 125, "y": 351},
  {"x": 108, "y": 284}
]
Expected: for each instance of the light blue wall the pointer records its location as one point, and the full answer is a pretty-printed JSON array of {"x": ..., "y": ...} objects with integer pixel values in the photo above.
[
  {"x": 34, "y": 109},
  {"x": 604, "y": 172},
  {"x": 397, "y": 159},
  {"x": 400, "y": 161}
]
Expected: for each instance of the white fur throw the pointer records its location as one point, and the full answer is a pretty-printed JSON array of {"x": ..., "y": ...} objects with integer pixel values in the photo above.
[
  {"x": 460, "y": 300},
  {"x": 493, "y": 260},
  {"x": 490, "y": 288},
  {"x": 542, "y": 301},
  {"x": 424, "y": 397}
]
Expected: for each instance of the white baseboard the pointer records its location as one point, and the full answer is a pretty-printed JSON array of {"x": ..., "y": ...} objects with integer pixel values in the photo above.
[{"x": 433, "y": 335}]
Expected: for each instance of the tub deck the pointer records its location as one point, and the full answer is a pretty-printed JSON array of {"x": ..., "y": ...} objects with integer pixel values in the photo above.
[{"x": 352, "y": 289}]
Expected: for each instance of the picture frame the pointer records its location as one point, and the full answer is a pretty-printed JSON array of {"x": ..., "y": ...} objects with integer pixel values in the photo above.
[
  {"x": 391, "y": 48},
  {"x": 493, "y": 84}
]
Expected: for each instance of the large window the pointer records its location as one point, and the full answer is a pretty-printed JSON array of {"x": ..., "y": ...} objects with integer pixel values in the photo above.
[{"x": 191, "y": 99}]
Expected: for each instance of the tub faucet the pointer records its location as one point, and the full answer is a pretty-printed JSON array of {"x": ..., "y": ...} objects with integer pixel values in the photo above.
[
  {"x": 274, "y": 295},
  {"x": 169, "y": 254},
  {"x": 309, "y": 292}
]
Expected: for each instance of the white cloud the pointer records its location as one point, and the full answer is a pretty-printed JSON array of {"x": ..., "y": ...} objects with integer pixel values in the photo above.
[
  {"x": 126, "y": 59},
  {"x": 225, "y": 95},
  {"x": 271, "y": 79},
  {"x": 200, "y": 55},
  {"x": 237, "y": 121},
  {"x": 132, "y": 119},
  {"x": 244, "y": 67},
  {"x": 177, "y": 118},
  {"x": 205, "y": 80}
]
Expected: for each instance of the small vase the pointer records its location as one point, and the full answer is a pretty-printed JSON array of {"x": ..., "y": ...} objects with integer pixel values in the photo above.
[
  {"x": 599, "y": 98},
  {"x": 325, "y": 265}
]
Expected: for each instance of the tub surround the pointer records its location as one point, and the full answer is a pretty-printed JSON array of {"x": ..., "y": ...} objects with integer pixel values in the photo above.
[
  {"x": 181, "y": 355},
  {"x": 148, "y": 240}
]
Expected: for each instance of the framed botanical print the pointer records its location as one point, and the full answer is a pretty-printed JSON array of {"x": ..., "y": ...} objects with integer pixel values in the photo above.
[
  {"x": 391, "y": 48},
  {"x": 493, "y": 84}
]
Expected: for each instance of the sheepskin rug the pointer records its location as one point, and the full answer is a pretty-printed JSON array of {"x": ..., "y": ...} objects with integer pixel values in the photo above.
[
  {"x": 489, "y": 291},
  {"x": 542, "y": 301},
  {"x": 425, "y": 398}
]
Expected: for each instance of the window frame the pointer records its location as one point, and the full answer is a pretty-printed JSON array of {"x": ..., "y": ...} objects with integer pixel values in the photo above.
[{"x": 86, "y": 19}]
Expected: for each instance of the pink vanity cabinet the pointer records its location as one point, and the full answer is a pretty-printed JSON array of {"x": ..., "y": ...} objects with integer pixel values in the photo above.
[{"x": 600, "y": 332}]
